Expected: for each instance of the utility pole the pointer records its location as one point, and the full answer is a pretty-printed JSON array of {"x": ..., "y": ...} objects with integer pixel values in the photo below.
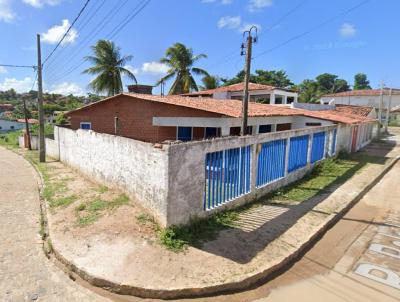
[
  {"x": 247, "y": 68},
  {"x": 380, "y": 110},
  {"x": 388, "y": 110},
  {"x": 42, "y": 151},
  {"x": 28, "y": 134}
]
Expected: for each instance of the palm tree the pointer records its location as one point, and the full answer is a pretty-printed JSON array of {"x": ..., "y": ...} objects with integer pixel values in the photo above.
[
  {"x": 180, "y": 59},
  {"x": 210, "y": 82},
  {"x": 108, "y": 65}
]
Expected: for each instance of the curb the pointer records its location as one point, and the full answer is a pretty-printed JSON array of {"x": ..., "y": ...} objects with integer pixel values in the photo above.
[{"x": 247, "y": 283}]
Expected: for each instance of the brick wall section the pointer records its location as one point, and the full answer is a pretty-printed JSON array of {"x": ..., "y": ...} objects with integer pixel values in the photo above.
[{"x": 135, "y": 118}]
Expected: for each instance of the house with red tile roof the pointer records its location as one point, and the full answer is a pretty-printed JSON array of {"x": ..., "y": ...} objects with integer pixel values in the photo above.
[
  {"x": 153, "y": 118},
  {"x": 367, "y": 97},
  {"x": 260, "y": 93}
]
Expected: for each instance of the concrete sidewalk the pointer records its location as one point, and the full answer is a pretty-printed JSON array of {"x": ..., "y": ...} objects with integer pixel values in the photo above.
[{"x": 265, "y": 239}]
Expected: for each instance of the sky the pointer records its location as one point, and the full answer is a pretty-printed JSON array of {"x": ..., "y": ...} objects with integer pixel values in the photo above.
[{"x": 303, "y": 37}]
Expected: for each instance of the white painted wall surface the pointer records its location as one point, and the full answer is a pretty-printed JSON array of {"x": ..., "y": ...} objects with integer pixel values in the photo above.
[
  {"x": 372, "y": 101},
  {"x": 136, "y": 167}
]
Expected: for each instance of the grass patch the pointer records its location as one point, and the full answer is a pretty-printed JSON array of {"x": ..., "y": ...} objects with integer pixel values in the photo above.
[
  {"x": 102, "y": 189},
  {"x": 144, "y": 218},
  {"x": 322, "y": 178},
  {"x": 10, "y": 139},
  {"x": 63, "y": 201},
  {"x": 89, "y": 212},
  {"x": 177, "y": 238}
]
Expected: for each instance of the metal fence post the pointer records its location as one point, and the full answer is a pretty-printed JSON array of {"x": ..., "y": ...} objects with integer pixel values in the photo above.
[
  {"x": 287, "y": 156},
  {"x": 310, "y": 141}
]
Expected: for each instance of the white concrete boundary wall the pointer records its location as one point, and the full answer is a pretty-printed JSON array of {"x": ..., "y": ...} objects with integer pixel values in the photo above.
[
  {"x": 170, "y": 181},
  {"x": 187, "y": 172}
]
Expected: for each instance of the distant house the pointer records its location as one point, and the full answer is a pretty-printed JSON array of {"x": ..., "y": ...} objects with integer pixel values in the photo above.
[
  {"x": 153, "y": 118},
  {"x": 31, "y": 121},
  {"x": 51, "y": 118},
  {"x": 395, "y": 114},
  {"x": 260, "y": 93},
  {"x": 8, "y": 126},
  {"x": 6, "y": 107},
  {"x": 368, "y": 97}
]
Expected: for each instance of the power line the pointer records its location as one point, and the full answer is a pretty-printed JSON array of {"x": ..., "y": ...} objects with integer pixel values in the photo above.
[
  {"x": 89, "y": 17},
  {"x": 138, "y": 8},
  {"x": 312, "y": 29},
  {"x": 67, "y": 32},
  {"x": 120, "y": 27},
  {"x": 18, "y": 66},
  {"x": 231, "y": 55},
  {"x": 100, "y": 26},
  {"x": 34, "y": 81}
]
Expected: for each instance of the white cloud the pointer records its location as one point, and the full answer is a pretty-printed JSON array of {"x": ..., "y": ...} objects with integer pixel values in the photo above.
[
  {"x": 55, "y": 33},
  {"x": 154, "y": 68},
  {"x": 6, "y": 12},
  {"x": 3, "y": 70},
  {"x": 257, "y": 5},
  {"x": 41, "y": 3},
  {"x": 347, "y": 30},
  {"x": 67, "y": 88},
  {"x": 19, "y": 86},
  {"x": 230, "y": 22},
  {"x": 135, "y": 71},
  {"x": 236, "y": 23}
]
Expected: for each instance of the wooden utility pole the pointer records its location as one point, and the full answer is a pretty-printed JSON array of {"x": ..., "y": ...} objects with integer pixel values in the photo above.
[
  {"x": 42, "y": 151},
  {"x": 28, "y": 133},
  {"x": 247, "y": 68}
]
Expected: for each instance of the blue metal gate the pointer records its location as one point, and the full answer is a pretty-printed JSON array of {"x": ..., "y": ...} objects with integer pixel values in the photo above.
[
  {"x": 227, "y": 176},
  {"x": 298, "y": 152},
  {"x": 271, "y": 162},
  {"x": 318, "y": 147}
]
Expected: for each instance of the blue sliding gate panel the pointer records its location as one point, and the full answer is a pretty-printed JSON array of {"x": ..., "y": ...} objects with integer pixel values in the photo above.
[
  {"x": 318, "y": 147},
  {"x": 271, "y": 162},
  {"x": 298, "y": 152},
  {"x": 333, "y": 147},
  {"x": 227, "y": 176}
]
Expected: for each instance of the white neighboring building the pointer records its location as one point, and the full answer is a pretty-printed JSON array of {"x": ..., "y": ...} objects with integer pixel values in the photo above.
[
  {"x": 368, "y": 97},
  {"x": 265, "y": 94},
  {"x": 7, "y": 126}
]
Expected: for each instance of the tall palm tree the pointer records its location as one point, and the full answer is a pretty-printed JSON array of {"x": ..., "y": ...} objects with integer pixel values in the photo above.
[
  {"x": 108, "y": 65},
  {"x": 210, "y": 82},
  {"x": 180, "y": 59}
]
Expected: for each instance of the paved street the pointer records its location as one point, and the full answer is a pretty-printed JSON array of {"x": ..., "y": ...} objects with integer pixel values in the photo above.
[
  {"x": 358, "y": 260},
  {"x": 25, "y": 273}
]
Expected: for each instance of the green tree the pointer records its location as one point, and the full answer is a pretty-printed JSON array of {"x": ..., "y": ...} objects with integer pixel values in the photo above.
[
  {"x": 210, "y": 82},
  {"x": 181, "y": 59},
  {"x": 308, "y": 91},
  {"x": 330, "y": 83},
  {"x": 277, "y": 78},
  {"x": 361, "y": 82},
  {"x": 108, "y": 65}
]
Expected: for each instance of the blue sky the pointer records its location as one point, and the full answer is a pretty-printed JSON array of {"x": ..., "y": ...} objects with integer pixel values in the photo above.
[{"x": 364, "y": 40}]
